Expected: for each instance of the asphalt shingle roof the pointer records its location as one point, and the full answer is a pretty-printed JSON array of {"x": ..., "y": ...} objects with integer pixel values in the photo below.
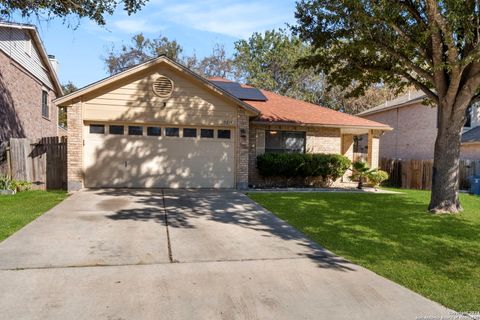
[{"x": 278, "y": 108}]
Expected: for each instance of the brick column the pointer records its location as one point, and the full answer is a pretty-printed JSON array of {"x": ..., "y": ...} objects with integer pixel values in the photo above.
[
  {"x": 242, "y": 149},
  {"x": 373, "y": 148},
  {"x": 74, "y": 147},
  {"x": 347, "y": 146}
]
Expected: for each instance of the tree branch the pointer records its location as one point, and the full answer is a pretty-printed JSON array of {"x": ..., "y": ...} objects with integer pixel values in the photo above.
[
  {"x": 421, "y": 86},
  {"x": 419, "y": 70}
]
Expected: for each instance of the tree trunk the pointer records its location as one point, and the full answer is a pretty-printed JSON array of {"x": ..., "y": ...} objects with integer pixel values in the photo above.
[{"x": 446, "y": 163}]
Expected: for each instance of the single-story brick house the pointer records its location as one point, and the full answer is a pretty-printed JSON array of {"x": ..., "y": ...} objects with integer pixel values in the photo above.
[{"x": 161, "y": 125}]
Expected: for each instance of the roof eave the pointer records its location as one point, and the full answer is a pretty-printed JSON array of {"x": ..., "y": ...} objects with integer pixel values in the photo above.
[
  {"x": 395, "y": 106},
  {"x": 302, "y": 124}
]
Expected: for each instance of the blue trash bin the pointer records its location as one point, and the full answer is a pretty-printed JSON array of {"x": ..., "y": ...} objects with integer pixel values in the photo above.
[{"x": 475, "y": 185}]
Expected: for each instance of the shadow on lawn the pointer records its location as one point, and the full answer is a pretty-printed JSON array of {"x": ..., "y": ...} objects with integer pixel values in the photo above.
[
  {"x": 376, "y": 227},
  {"x": 183, "y": 207}
]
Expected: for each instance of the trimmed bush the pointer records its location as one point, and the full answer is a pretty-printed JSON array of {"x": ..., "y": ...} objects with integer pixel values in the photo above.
[
  {"x": 328, "y": 167},
  {"x": 376, "y": 177}
]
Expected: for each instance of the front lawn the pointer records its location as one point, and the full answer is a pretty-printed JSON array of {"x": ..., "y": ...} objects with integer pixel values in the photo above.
[
  {"x": 18, "y": 210},
  {"x": 394, "y": 236}
]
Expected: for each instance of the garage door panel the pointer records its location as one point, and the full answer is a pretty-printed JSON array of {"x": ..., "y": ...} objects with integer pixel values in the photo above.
[{"x": 158, "y": 162}]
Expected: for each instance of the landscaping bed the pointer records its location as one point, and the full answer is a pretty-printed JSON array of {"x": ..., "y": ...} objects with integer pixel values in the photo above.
[{"x": 394, "y": 236}]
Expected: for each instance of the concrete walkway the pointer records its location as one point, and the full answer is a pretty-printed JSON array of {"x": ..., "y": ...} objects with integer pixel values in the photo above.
[{"x": 142, "y": 254}]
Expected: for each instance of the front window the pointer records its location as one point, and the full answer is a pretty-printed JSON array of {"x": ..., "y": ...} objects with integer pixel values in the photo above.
[
  {"x": 284, "y": 141},
  {"x": 45, "y": 109}
]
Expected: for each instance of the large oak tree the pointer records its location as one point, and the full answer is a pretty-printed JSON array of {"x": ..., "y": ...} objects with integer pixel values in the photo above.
[{"x": 432, "y": 44}]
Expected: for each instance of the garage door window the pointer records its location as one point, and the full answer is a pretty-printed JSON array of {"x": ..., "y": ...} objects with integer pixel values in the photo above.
[
  {"x": 97, "y": 128},
  {"x": 172, "y": 132},
  {"x": 154, "y": 131},
  {"x": 189, "y": 133},
  {"x": 116, "y": 130},
  {"x": 223, "y": 134},
  {"x": 135, "y": 130},
  {"x": 206, "y": 133}
]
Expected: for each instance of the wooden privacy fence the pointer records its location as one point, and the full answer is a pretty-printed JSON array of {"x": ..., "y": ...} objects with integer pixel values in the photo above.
[
  {"x": 417, "y": 174},
  {"x": 43, "y": 162}
]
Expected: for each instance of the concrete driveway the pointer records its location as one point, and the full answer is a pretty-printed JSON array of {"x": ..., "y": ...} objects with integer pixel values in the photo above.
[{"x": 143, "y": 254}]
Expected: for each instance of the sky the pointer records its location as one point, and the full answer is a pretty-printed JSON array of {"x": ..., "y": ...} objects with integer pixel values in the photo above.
[{"x": 196, "y": 25}]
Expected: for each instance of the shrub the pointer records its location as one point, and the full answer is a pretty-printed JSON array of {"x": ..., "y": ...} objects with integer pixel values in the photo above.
[
  {"x": 376, "y": 177},
  {"x": 360, "y": 171},
  {"x": 329, "y": 167},
  {"x": 6, "y": 183},
  {"x": 16, "y": 185},
  {"x": 21, "y": 185}
]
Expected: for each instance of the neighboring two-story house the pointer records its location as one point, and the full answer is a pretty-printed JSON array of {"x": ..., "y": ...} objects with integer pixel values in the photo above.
[
  {"x": 28, "y": 84},
  {"x": 415, "y": 129}
]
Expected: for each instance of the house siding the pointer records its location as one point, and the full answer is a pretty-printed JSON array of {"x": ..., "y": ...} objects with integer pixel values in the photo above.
[
  {"x": 14, "y": 42},
  {"x": 21, "y": 103},
  {"x": 132, "y": 99}
]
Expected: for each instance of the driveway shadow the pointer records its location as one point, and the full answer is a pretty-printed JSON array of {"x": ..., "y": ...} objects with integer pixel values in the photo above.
[{"x": 185, "y": 208}]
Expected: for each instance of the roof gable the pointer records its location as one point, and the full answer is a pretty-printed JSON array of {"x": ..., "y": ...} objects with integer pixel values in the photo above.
[
  {"x": 77, "y": 95},
  {"x": 23, "y": 44}
]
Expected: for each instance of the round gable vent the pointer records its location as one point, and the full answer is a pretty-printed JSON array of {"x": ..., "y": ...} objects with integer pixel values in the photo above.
[{"x": 163, "y": 87}]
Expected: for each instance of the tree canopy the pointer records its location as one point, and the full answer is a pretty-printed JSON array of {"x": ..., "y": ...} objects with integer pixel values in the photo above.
[
  {"x": 140, "y": 50},
  {"x": 95, "y": 10},
  {"x": 268, "y": 61},
  {"x": 432, "y": 44}
]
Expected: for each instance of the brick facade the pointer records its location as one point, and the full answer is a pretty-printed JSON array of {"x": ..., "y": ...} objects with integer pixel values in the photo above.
[
  {"x": 242, "y": 151},
  {"x": 75, "y": 147},
  {"x": 21, "y": 104},
  {"x": 323, "y": 140},
  {"x": 414, "y": 133}
]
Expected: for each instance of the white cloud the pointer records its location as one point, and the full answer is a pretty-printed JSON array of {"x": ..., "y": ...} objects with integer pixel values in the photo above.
[
  {"x": 135, "y": 25},
  {"x": 233, "y": 18}
]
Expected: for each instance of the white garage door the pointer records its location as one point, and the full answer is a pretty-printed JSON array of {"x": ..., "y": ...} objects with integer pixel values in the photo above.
[{"x": 132, "y": 156}]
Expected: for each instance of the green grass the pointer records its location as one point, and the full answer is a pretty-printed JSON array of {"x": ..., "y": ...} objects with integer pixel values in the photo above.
[
  {"x": 394, "y": 236},
  {"x": 18, "y": 210}
]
